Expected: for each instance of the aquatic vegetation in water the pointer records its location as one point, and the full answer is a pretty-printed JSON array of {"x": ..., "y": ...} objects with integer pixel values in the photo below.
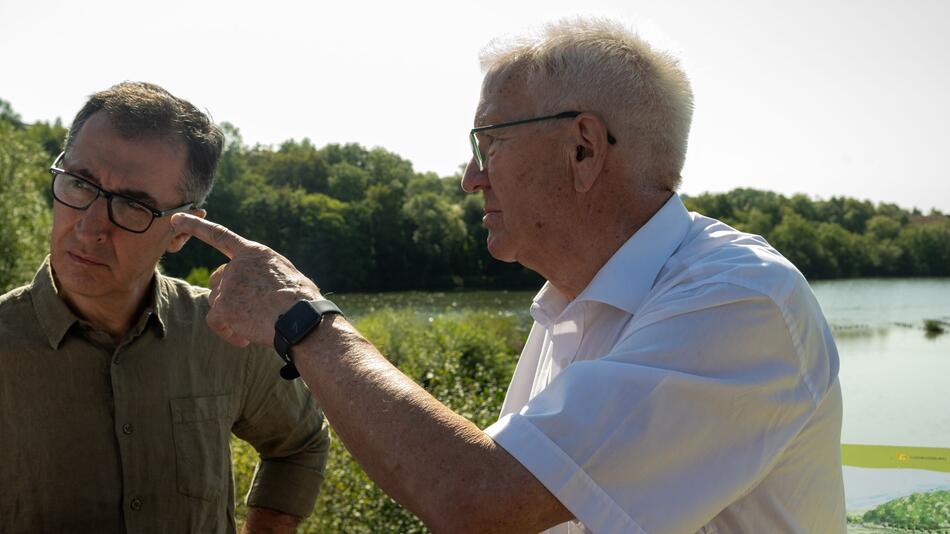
[
  {"x": 935, "y": 326},
  {"x": 926, "y": 512}
]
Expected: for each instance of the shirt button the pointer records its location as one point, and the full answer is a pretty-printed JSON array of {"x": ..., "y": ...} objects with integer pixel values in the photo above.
[
  {"x": 127, "y": 429},
  {"x": 136, "y": 504}
]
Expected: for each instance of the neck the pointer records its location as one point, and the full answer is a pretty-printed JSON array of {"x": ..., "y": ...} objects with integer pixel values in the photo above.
[
  {"x": 601, "y": 227},
  {"x": 113, "y": 313}
]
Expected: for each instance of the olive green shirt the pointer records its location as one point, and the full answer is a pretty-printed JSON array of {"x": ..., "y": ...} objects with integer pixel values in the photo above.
[{"x": 101, "y": 438}]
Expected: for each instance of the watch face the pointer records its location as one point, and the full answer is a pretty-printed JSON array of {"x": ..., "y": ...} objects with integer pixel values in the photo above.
[{"x": 298, "y": 321}]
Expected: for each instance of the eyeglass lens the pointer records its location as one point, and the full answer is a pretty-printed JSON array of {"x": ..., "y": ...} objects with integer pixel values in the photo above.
[
  {"x": 80, "y": 194},
  {"x": 476, "y": 151}
]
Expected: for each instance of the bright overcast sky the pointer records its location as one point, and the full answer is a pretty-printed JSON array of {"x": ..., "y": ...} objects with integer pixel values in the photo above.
[{"x": 820, "y": 97}]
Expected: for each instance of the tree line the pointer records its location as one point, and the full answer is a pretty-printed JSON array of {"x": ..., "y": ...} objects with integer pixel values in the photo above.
[
  {"x": 360, "y": 219},
  {"x": 840, "y": 237}
]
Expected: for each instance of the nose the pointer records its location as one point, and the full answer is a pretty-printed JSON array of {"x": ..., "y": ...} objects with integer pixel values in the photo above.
[
  {"x": 474, "y": 179},
  {"x": 94, "y": 224}
]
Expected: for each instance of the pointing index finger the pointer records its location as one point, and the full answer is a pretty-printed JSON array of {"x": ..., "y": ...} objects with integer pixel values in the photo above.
[{"x": 214, "y": 234}]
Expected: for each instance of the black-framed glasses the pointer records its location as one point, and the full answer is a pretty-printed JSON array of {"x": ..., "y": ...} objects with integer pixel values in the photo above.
[
  {"x": 125, "y": 212},
  {"x": 473, "y": 137}
]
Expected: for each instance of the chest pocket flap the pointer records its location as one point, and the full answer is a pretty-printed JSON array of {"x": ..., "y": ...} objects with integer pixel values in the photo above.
[{"x": 202, "y": 429}]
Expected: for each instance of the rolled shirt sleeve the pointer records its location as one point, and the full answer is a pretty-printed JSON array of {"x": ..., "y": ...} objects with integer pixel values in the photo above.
[
  {"x": 282, "y": 421},
  {"x": 690, "y": 410}
]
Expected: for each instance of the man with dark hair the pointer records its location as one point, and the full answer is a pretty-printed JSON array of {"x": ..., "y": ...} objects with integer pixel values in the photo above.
[
  {"x": 139, "y": 109},
  {"x": 116, "y": 401}
]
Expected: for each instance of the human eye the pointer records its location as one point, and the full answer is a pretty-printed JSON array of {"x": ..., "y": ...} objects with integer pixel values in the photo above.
[
  {"x": 130, "y": 213},
  {"x": 485, "y": 140},
  {"x": 129, "y": 206},
  {"x": 77, "y": 183},
  {"x": 128, "y": 203}
]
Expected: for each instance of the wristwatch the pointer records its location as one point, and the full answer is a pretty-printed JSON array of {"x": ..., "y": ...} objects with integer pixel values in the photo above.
[{"x": 294, "y": 325}]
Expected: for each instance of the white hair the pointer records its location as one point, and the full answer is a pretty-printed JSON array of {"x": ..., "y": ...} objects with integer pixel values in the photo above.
[{"x": 600, "y": 66}]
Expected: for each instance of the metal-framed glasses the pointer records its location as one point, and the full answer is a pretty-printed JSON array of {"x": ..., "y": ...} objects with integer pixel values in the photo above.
[
  {"x": 476, "y": 148},
  {"x": 124, "y": 211}
]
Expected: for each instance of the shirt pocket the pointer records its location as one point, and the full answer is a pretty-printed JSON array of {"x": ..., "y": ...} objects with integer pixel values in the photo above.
[{"x": 201, "y": 433}]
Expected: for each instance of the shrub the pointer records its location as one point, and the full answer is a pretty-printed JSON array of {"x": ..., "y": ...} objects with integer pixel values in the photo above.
[
  {"x": 916, "y": 511},
  {"x": 25, "y": 217},
  {"x": 199, "y": 276},
  {"x": 465, "y": 360}
]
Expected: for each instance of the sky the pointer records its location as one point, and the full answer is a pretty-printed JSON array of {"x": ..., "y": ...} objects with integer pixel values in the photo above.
[{"x": 824, "y": 98}]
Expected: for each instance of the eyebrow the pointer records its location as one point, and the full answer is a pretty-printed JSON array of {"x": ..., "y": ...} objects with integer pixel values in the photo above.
[
  {"x": 131, "y": 193},
  {"x": 482, "y": 116},
  {"x": 482, "y": 121}
]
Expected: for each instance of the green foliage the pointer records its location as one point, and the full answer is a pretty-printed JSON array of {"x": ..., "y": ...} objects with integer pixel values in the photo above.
[
  {"x": 797, "y": 239},
  {"x": 439, "y": 236},
  {"x": 465, "y": 360},
  {"x": 199, "y": 276},
  {"x": 935, "y": 326},
  {"x": 360, "y": 219},
  {"x": 363, "y": 220},
  {"x": 882, "y": 227},
  {"x": 294, "y": 165},
  {"x": 352, "y": 218},
  {"x": 25, "y": 217},
  {"x": 925, "y": 511},
  {"x": 9, "y": 116},
  {"x": 839, "y": 237},
  {"x": 927, "y": 248},
  {"x": 348, "y": 182},
  {"x": 52, "y": 137}
]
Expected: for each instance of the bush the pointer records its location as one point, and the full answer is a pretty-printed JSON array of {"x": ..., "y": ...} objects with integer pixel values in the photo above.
[
  {"x": 199, "y": 276},
  {"x": 916, "y": 511},
  {"x": 465, "y": 360},
  {"x": 25, "y": 217}
]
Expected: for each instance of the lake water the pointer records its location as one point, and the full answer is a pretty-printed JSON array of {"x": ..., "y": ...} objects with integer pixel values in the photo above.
[{"x": 895, "y": 378}]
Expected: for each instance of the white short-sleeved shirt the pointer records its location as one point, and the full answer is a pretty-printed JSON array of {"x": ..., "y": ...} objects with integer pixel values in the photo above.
[{"x": 691, "y": 387}]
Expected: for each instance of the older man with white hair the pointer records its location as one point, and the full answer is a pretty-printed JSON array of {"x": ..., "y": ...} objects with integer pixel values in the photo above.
[{"x": 679, "y": 376}]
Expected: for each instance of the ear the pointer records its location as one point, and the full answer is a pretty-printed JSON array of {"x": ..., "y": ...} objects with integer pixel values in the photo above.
[
  {"x": 589, "y": 153},
  {"x": 179, "y": 240}
]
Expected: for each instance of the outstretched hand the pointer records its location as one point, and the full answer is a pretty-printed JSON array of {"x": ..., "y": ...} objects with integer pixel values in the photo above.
[{"x": 249, "y": 292}]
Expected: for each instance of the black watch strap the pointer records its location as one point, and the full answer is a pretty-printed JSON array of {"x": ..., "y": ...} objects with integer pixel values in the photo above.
[{"x": 296, "y": 324}]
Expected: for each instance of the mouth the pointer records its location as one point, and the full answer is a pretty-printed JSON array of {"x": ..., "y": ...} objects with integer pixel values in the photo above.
[
  {"x": 84, "y": 260},
  {"x": 490, "y": 216}
]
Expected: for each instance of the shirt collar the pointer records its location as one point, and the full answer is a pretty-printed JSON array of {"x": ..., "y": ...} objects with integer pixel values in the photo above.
[
  {"x": 157, "y": 307},
  {"x": 548, "y": 305},
  {"x": 56, "y": 318},
  {"x": 627, "y": 277},
  {"x": 53, "y": 314}
]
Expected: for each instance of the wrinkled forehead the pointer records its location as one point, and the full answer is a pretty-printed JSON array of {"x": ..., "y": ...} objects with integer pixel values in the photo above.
[
  {"x": 507, "y": 76},
  {"x": 155, "y": 165},
  {"x": 507, "y": 94}
]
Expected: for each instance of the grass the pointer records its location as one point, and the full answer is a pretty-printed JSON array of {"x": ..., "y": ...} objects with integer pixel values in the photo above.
[{"x": 463, "y": 359}]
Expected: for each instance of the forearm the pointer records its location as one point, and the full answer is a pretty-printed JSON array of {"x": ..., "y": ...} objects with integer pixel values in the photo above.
[
  {"x": 282, "y": 422},
  {"x": 433, "y": 461},
  {"x": 267, "y": 521},
  {"x": 438, "y": 464}
]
